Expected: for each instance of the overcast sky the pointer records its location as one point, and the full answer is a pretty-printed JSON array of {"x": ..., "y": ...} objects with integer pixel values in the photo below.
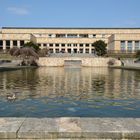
[{"x": 70, "y": 13}]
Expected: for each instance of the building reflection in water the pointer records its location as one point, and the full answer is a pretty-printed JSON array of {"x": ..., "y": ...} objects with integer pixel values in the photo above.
[{"x": 74, "y": 83}]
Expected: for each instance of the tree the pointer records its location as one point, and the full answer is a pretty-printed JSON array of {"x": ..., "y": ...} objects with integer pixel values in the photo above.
[
  {"x": 100, "y": 47},
  {"x": 26, "y": 53},
  {"x": 32, "y": 45},
  {"x": 138, "y": 54}
]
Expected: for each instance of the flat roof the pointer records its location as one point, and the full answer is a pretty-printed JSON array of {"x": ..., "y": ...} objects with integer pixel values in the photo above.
[{"x": 67, "y": 28}]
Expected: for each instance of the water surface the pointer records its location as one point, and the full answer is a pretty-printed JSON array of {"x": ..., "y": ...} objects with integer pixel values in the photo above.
[{"x": 65, "y": 92}]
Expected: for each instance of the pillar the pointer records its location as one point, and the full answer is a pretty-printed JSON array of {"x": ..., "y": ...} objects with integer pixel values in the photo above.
[
  {"x": 18, "y": 43},
  {"x": 126, "y": 44},
  {"x": 11, "y": 44},
  {"x": 54, "y": 51},
  {"x": 133, "y": 46},
  {"x": 72, "y": 48},
  {"x": 4, "y": 45},
  {"x": 60, "y": 47},
  {"x": 90, "y": 47},
  {"x": 84, "y": 48},
  {"x": 78, "y": 48}
]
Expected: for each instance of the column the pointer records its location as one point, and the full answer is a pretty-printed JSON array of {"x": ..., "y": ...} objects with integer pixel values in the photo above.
[
  {"x": 11, "y": 44},
  {"x": 66, "y": 47},
  {"x": 54, "y": 48},
  {"x": 84, "y": 48},
  {"x": 4, "y": 45},
  {"x": 72, "y": 48},
  {"x": 133, "y": 46},
  {"x": 60, "y": 47},
  {"x": 90, "y": 47},
  {"x": 126, "y": 44},
  {"x": 18, "y": 43},
  {"x": 78, "y": 48}
]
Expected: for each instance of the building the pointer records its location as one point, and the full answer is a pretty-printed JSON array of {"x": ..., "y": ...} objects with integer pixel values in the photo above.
[{"x": 72, "y": 40}]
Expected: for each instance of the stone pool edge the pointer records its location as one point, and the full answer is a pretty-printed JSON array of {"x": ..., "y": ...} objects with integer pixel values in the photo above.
[{"x": 69, "y": 128}]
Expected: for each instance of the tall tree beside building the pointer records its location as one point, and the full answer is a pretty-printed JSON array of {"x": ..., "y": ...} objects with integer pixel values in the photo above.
[
  {"x": 100, "y": 47},
  {"x": 32, "y": 45}
]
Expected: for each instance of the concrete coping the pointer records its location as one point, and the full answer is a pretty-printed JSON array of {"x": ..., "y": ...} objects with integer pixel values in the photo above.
[{"x": 69, "y": 128}]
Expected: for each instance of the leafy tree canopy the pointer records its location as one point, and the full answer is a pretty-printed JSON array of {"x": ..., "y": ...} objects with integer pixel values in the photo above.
[
  {"x": 138, "y": 54},
  {"x": 31, "y": 44},
  {"x": 100, "y": 47}
]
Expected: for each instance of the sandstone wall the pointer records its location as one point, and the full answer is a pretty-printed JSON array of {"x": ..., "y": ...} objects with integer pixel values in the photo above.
[{"x": 89, "y": 62}]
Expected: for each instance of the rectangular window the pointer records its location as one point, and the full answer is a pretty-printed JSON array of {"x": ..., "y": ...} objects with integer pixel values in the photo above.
[
  {"x": 137, "y": 45},
  {"x": 87, "y": 50},
  {"x": 63, "y": 45},
  {"x": 14, "y": 42},
  {"x": 129, "y": 46},
  {"x": 81, "y": 45},
  {"x": 39, "y": 44},
  {"x": 44, "y": 45},
  {"x": 75, "y": 45},
  {"x": 21, "y": 42},
  {"x": 83, "y": 35},
  {"x": 51, "y": 45},
  {"x": 60, "y": 35},
  {"x": 63, "y": 50},
  {"x": 69, "y": 45},
  {"x": 57, "y": 50},
  {"x": 7, "y": 42},
  {"x": 94, "y": 35},
  {"x": 92, "y": 51},
  {"x": 51, "y": 50},
  {"x": 1, "y": 43},
  {"x": 87, "y": 45},
  {"x": 122, "y": 46},
  {"x": 71, "y": 35},
  {"x": 50, "y": 35},
  {"x": 57, "y": 45},
  {"x": 81, "y": 50}
]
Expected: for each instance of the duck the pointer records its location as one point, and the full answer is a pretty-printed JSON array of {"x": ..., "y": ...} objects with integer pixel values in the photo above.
[{"x": 11, "y": 97}]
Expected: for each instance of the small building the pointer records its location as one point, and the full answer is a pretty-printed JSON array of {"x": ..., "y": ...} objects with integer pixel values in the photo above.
[{"x": 72, "y": 40}]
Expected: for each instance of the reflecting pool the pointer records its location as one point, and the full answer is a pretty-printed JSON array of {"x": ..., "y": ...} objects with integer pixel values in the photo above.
[{"x": 66, "y": 92}]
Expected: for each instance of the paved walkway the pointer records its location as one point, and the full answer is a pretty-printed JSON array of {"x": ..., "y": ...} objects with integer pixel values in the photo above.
[{"x": 69, "y": 128}]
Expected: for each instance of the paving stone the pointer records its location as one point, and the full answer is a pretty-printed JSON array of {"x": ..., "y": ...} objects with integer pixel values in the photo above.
[
  {"x": 38, "y": 128},
  {"x": 114, "y": 128},
  {"x": 69, "y": 128},
  {"x": 9, "y": 127}
]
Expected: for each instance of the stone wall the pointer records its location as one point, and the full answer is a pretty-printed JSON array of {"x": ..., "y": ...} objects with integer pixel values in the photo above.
[{"x": 87, "y": 62}]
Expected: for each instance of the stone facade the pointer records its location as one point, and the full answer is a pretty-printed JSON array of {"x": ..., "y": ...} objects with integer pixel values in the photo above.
[
  {"x": 87, "y": 62},
  {"x": 71, "y": 40}
]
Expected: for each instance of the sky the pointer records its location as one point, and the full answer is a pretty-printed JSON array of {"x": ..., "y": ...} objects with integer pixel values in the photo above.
[{"x": 69, "y": 13}]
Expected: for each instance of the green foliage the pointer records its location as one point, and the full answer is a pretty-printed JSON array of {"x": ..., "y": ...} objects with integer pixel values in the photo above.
[
  {"x": 138, "y": 54},
  {"x": 100, "y": 47},
  {"x": 31, "y": 44}
]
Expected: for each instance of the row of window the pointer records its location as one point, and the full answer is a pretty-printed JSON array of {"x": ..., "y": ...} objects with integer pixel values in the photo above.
[
  {"x": 71, "y": 51},
  {"x": 15, "y": 43},
  {"x": 129, "y": 45},
  {"x": 74, "y": 35},
  {"x": 63, "y": 45}
]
